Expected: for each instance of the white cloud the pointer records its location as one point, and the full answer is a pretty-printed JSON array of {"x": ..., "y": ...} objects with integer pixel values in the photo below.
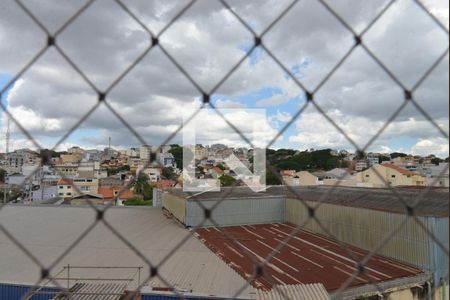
[
  {"x": 207, "y": 42},
  {"x": 437, "y": 146}
]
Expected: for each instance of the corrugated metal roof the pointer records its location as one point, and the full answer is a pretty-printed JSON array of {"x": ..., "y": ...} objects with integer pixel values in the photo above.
[
  {"x": 47, "y": 231},
  {"x": 434, "y": 203},
  {"x": 314, "y": 291},
  {"x": 307, "y": 257},
  {"x": 93, "y": 291}
]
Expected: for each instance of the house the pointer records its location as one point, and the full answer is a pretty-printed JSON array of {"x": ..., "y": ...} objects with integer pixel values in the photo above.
[
  {"x": 389, "y": 173},
  {"x": 65, "y": 188},
  {"x": 340, "y": 177},
  {"x": 215, "y": 172},
  {"x": 15, "y": 179},
  {"x": 86, "y": 185},
  {"x": 66, "y": 169},
  {"x": 360, "y": 165},
  {"x": 145, "y": 152},
  {"x": 288, "y": 177},
  {"x": 87, "y": 199},
  {"x": 68, "y": 188},
  {"x": 44, "y": 193},
  {"x": 153, "y": 173},
  {"x": 165, "y": 184},
  {"x": 373, "y": 158},
  {"x": 166, "y": 160},
  {"x": 306, "y": 179},
  {"x": 437, "y": 175},
  {"x": 71, "y": 158},
  {"x": 118, "y": 193}
]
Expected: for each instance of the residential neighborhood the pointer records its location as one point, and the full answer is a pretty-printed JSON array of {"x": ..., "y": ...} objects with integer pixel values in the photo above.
[{"x": 116, "y": 176}]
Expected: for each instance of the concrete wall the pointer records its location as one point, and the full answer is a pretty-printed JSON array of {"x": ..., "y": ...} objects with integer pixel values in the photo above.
[
  {"x": 176, "y": 205},
  {"x": 238, "y": 211}
]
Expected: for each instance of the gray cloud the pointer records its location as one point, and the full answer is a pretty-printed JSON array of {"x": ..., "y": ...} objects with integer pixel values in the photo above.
[{"x": 207, "y": 41}]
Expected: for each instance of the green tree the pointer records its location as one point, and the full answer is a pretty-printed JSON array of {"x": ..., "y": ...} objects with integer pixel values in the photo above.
[
  {"x": 221, "y": 166},
  {"x": 271, "y": 178},
  {"x": 168, "y": 173},
  {"x": 3, "y": 174},
  {"x": 143, "y": 187},
  {"x": 177, "y": 153},
  {"x": 398, "y": 154},
  {"x": 382, "y": 158},
  {"x": 436, "y": 160},
  {"x": 226, "y": 180},
  {"x": 137, "y": 202},
  {"x": 113, "y": 171}
]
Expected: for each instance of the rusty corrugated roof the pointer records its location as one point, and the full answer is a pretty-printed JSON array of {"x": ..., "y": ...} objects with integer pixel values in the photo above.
[{"x": 306, "y": 258}]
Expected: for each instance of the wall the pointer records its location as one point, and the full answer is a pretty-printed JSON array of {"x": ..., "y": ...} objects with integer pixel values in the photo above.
[
  {"x": 17, "y": 291},
  {"x": 366, "y": 229},
  {"x": 238, "y": 211},
  {"x": 176, "y": 205}
]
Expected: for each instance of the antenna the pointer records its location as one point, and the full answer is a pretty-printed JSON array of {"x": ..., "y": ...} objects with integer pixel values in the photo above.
[
  {"x": 109, "y": 143},
  {"x": 8, "y": 132},
  {"x": 8, "y": 123}
]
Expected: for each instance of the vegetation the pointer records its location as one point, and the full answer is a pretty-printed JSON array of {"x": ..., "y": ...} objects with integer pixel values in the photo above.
[
  {"x": 316, "y": 160},
  {"x": 382, "y": 158},
  {"x": 137, "y": 202},
  {"x": 3, "y": 174},
  {"x": 169, "y": 173},
  {"x": 143, "y": 187},
  {"x": 113, "y": 171},
  {"x": 177, "y": 153},
  {"x": 226, "y": 180},
  {"x": 436, "y": 160},
  {"x": 46, "y": 155},
  {"x": 271, "y": 178},
  {"x": 398, "y": 154}
]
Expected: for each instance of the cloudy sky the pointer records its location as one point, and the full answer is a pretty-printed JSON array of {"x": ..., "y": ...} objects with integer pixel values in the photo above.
[{"x": 207, "y": 41}]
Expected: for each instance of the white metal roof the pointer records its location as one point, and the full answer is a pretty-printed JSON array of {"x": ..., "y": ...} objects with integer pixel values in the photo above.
[
  {"x": 47, "y": 231},
  {"x": 315, "y": 291}
]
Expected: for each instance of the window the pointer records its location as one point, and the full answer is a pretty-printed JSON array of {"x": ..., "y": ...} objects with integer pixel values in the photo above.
[
  {"x": 69, "y": 186},
  {"x": 61, "y": 194},
  {"x": 61, "y": 187},
  {"x": 69, "y": 194},
  {"x": 393, "y": 176},
  {"x": 367, "y": 175}
]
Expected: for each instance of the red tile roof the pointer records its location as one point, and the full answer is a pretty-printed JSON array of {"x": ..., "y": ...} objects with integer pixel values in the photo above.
[
  {"x": 65, "y": 181},
  {"x": 399, "y": 169},
  {"x": 218, "y": 170},
  {"x": 108, "y": 193},
  {"x": 287, "y": 172},
  {"x": 165, "y": 184},
  {"x": 306, "y": 258}
]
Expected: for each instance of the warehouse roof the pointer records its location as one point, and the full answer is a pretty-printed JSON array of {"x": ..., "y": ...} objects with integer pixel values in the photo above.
[
  {"x": 47, "y": 231},
  {"x": 307, "y": 258},
  {"x": 434, "y": 203},
  {"x": 314, "y": 291}
]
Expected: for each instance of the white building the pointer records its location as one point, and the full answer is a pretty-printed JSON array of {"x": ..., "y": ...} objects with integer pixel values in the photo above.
[
  {"x": 373, "y": 159},
  {"x": 145, "y": 152}
]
